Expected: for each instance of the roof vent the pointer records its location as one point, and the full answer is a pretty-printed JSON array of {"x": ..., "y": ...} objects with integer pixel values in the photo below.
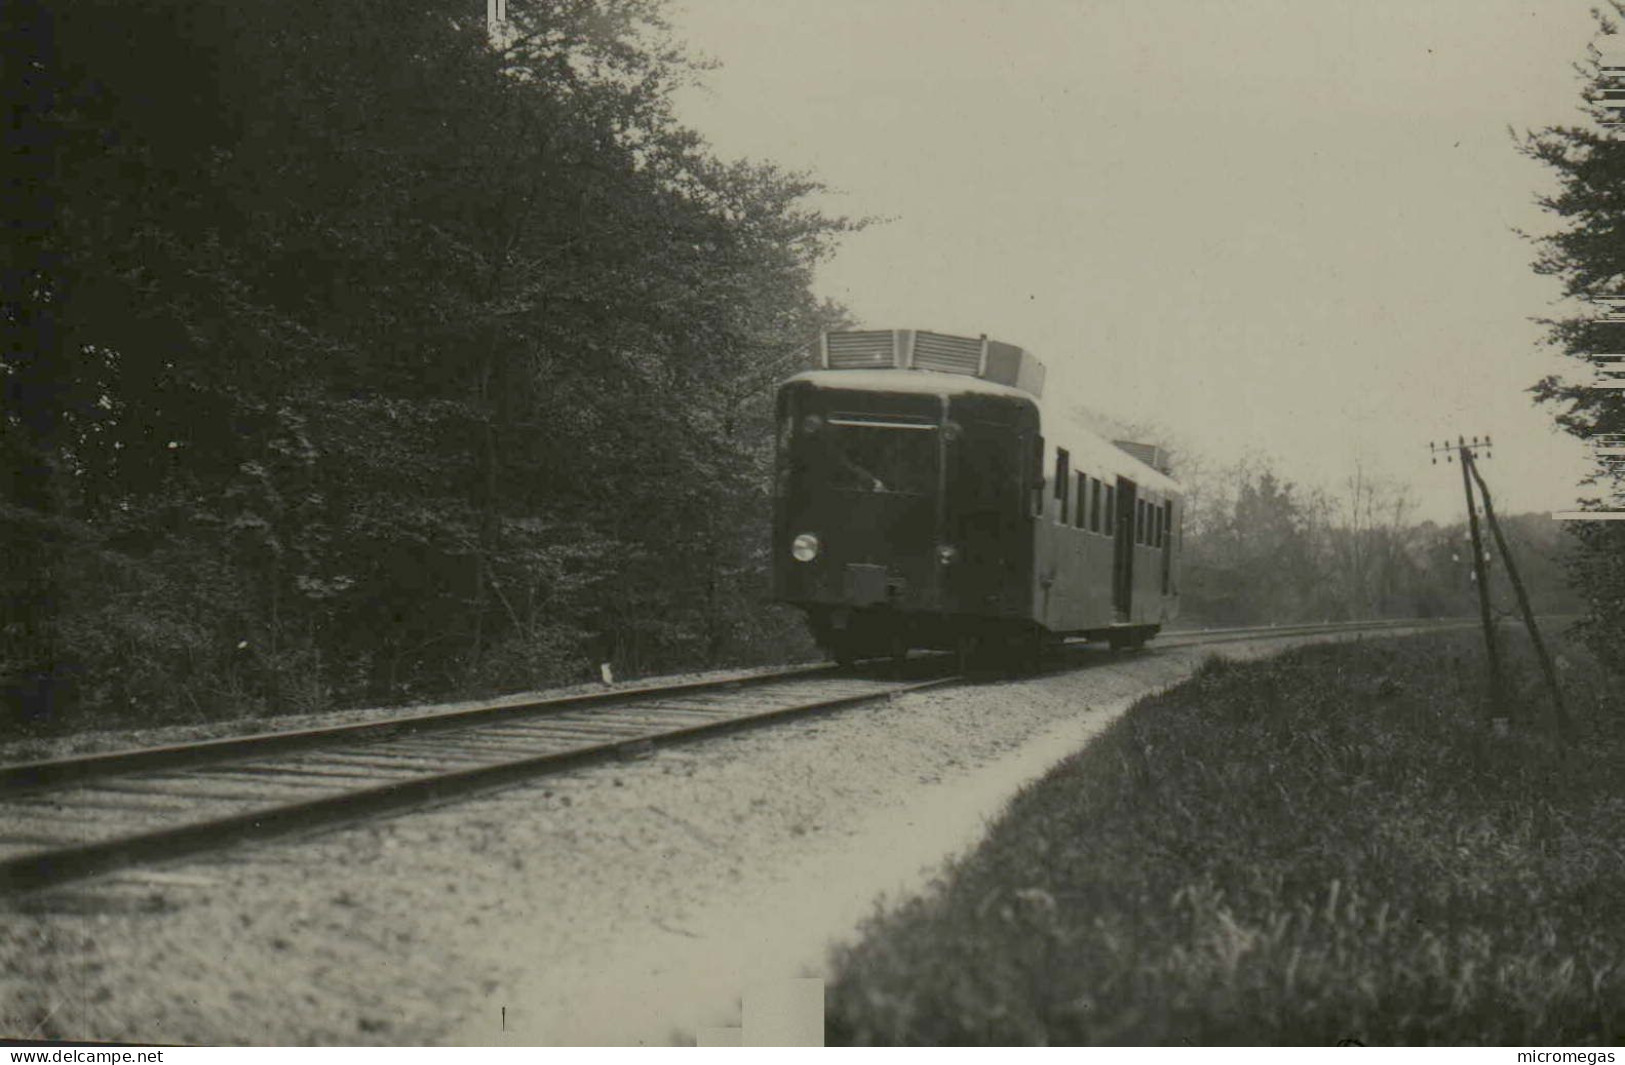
[
  {"x": 1150, "y": 454},
  {"x": 909, "y": 349},
  {"x": 866, "y": 350},
  {"x": 946, "y": 354}
]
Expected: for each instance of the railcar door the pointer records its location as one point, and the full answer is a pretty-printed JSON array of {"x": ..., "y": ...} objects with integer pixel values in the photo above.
[{"x": 1123, "y": 553}]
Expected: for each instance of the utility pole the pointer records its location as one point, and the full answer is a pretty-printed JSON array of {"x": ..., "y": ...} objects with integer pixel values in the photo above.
[
  {"x": 1461, "y": 447},
  {"x": 1564, "y": 725}
]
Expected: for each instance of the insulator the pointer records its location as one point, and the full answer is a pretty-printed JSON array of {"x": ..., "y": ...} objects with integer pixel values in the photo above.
[
  {"x": 1459, "y": 441},
  {"x": 1447, "y": 456},
  {"x": 1434, "y": 461}
]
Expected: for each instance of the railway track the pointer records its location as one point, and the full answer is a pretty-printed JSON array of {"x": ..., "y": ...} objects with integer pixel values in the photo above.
[{"x": 70, "y": 818}]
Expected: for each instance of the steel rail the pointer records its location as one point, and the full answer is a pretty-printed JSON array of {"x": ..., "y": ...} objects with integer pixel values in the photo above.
[
  {"x": 1193, "y": 637},
  {"x": 59, "y": 772},
  {"x": 58, "y": 864},
  {"x": 77, "y": 769},
  {"x": 38, "y": 869}
]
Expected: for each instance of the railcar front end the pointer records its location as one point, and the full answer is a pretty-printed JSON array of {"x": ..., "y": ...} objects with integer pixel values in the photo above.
[{"x": 901, "y": 506}]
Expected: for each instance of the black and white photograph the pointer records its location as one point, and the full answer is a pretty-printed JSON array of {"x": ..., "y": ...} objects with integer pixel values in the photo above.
[{"x": 782, "y": 523}]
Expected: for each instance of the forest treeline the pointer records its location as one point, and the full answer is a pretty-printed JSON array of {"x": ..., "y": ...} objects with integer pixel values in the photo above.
[{"x": 351, "y": 359}]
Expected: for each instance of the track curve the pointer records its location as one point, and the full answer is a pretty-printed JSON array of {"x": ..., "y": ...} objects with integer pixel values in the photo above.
[{"x": 75, "y": 817}]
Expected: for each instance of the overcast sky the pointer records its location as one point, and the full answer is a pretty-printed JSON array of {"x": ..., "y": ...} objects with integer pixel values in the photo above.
[{"x": 1273, "y": 226}]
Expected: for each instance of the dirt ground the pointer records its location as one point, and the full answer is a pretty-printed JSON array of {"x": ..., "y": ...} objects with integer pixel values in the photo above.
[{"x": 622, "y": 904}]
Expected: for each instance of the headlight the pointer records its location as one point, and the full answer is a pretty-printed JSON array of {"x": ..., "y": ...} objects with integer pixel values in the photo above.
[
  {"x": 804, "y": 548},
  {"x": 947, "y": 553}
]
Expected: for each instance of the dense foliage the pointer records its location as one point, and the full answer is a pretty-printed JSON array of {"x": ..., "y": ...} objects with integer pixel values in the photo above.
[
  {"x": 1586, "y": 253},
  {"x": 349, "y": 357},
  {"x": 1322, "y": 847}
]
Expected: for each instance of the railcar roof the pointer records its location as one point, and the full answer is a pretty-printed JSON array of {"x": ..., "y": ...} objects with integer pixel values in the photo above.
[
  {"x": 1089, "y": 451},
  {"x": 922, "y": 382}
]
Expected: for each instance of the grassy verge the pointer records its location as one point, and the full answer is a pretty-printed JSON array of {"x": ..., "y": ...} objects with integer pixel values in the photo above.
[{"x": 1325, "y": 846}]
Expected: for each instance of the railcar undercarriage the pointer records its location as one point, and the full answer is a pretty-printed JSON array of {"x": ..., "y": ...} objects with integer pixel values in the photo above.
[{"x": 847, "y": 635}]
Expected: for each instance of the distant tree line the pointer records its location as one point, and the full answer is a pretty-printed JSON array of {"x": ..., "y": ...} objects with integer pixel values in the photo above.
[
  {"x": 351, "y": 358},
  {"x": 1260, "y": 549}
]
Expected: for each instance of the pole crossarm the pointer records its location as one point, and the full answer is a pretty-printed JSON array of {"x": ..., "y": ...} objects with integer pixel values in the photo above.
[{"x": 1462, "y": 446}]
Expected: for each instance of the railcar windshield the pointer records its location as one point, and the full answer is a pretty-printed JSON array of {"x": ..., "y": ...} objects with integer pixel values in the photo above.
[
  {"x": 986, "y": 472},
  {"x": 892, "y": 455}
]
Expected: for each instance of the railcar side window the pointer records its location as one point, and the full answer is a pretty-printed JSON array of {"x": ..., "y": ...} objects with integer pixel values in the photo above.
[
  {"x": 1139, "y": 521},
  {"x": 1111, "y": 511},
  {"x": 1079, "y": 516},
  {"x": 1034, "y": 475},
  {"x": 1094, "y": 504},
  {"x": 1155, "y": 515},
  {"x": 1063, "y": 465},
  {"x": 1168, "y": 556}
]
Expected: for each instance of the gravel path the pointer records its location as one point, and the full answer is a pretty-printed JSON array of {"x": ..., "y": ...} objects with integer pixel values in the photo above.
[{"x": 619, "y": 904}]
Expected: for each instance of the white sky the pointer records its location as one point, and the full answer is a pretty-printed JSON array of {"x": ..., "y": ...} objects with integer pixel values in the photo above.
[{"x": 1273, "y": 226}]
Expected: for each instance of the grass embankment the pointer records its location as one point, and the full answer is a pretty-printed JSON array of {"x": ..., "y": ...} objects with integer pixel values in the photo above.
[{"x": 1329, "y": 845}]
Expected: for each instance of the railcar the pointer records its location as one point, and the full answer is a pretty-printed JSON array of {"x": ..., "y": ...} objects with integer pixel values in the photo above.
[{"x": 926, "y": 496}]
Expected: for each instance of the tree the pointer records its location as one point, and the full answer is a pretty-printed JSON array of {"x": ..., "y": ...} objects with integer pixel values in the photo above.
[
  {"x": 1586, "y": 253},
  {"x": 1369, "y": 556},
  {"x": 1251, "y": 553},
  {"x": 358, "y": 359}
]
